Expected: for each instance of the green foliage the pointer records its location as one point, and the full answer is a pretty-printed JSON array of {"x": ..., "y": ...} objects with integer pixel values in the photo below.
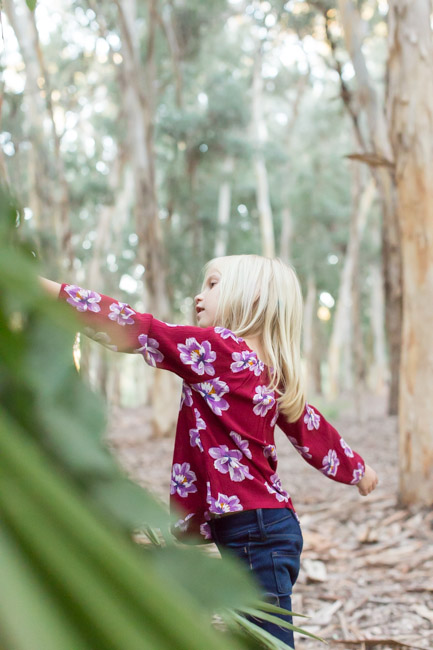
[{"x": 31, "y": 4}]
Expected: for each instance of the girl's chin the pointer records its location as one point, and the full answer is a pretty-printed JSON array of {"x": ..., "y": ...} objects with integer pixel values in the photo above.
[{"x": 203, "y": 321}]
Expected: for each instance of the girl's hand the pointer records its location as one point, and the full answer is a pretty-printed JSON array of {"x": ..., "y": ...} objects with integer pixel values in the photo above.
[{"x": 368, "y": 482}]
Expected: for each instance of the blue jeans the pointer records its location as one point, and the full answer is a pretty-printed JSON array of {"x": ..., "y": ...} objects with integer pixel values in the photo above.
[{"x": 269, "y": 540}]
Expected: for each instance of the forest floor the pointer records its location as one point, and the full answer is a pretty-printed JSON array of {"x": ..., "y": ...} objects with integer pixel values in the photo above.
[{"x": 366, "y": 578}]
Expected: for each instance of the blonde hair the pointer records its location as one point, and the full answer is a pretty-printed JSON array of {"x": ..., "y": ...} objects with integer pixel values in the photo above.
[{"x": 262, "y": 297}]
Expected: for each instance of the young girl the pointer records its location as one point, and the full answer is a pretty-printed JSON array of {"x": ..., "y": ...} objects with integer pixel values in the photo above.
[{"x": 241, "y": 376}]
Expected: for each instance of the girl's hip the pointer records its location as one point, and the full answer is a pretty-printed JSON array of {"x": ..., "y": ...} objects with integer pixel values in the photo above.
[{"x": 260, "y": 525}]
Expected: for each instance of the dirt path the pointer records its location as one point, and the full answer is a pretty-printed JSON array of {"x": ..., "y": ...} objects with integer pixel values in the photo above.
[{"x": 367, "y": 568}]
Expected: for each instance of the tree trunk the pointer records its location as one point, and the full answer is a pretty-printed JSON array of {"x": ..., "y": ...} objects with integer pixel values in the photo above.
[
  {"x": 357, "y": 341},
  {"x": 167, "y": 23},
  {"x": 313, "y": 384},
  {"x": 191, "y": 159},
  {"x": 340, "y": 338},
  {"x": 259, "y": 139},
  {"x": 381, "y": 152},
  {"x": 410, "y": 110},
  {"x": 286, "y": 216},
  {"x": 109, "y": 232},
  {"x": 378, "y": 369},
  {"x": 224, "y": 204},
  {"x": 286, "y": 235}
]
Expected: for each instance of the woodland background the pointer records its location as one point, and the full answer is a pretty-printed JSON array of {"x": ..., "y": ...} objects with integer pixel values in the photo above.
[{"x": 144, "y": 138}]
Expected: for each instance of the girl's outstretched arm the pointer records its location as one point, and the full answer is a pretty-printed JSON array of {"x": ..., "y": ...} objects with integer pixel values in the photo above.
[
  {"x": 199, "y": 355},
  {"x": 320, "y": 444}
]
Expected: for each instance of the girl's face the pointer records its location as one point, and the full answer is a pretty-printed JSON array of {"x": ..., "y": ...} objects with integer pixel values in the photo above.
[{"x": 206, "y": 302}]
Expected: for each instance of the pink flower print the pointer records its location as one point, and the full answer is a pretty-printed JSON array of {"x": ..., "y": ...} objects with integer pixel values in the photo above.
[
  {"x": 276, "y": 414},
  {"x": 311, "y": 418},
  {"x": 205, "y": 530},
  {"x": 228, "y": 461},
  {"x": 226, "y": 334},
  {"x": 194, "y": 439},
  {"x": 270, "y": 452},
  {"x": 186, "y": 395},
  {"x": 83, "y": 299},
  {"x": 194, "y": 434},
  {"x": 183, "y": 524},
  {"x": 264, "y": 400},
  {"x": 347, "y": 449},
  {"x": 330, "y": 463},
  {"x": 100, "y": 337},
  {"x": 197, "y": 355},
  {"x": 182, "y": 479},
  {"x": 246, "y": 359},
  {"x": 242, "y": 444},
  {"x": 277, "y": 489},
  {"x": 304, "y": 451},
  {"x": 121, "y": 313},
  {"x": 224, "y": 504},
  {"x": 199, "y": 422},
  {"x": 358, "y": 474},
  {"x": 212, "y": 392},
  {"x": 149, "y": 350}
]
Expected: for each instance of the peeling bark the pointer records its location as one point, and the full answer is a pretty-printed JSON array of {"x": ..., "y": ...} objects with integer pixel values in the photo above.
[{"x": 410, "y": 110}]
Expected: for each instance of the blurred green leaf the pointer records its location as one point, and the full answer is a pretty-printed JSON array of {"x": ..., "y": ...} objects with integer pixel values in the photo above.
[
  {"x": 231, "y": 584},
  {"x": 46, "y": 624},
  {"x": 111, "y": 588},
  {"x": 130, "y": 504},
  {"x": 235, "y": 620},
  {"x": 259, "y": 613}
]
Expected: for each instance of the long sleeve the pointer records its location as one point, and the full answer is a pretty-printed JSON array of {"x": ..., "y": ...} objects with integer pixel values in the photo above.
[
  {"x": 320, "y": 444},
  {"x": 196, "y": 354}
]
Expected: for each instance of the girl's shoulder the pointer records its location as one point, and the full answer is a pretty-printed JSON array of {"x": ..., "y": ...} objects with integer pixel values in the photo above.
[{"x": 224, "y": 347}]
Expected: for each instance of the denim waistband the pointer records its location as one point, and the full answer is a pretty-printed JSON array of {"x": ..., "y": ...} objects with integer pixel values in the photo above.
[{"x": 260, "y": 517}]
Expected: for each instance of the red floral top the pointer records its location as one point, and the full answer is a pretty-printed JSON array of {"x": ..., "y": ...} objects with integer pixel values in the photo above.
[{"x": 224, "y": 455}]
